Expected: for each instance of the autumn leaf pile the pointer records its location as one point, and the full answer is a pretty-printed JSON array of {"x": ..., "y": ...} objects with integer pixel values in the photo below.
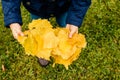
[{"x": 43, "y": 41}]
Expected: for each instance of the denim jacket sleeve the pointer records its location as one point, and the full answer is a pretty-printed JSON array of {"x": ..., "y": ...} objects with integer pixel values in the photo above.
[
  {"x": 77, "y": 11},
  {"x": 11, "y": 11}
]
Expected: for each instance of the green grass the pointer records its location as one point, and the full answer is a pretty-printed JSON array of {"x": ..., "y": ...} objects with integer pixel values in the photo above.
[{"x": 100, "y": 60}]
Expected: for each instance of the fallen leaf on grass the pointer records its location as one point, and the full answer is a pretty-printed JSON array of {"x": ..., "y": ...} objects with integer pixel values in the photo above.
[{"x": 3, "y": 67}]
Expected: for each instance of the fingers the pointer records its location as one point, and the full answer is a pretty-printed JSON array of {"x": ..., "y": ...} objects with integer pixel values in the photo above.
[
  {"x": 73, "y": 29},
  {"x": 16, "y": 30},
  {"x": 17, "y": 33},
  {"x": 71, "y": 34},
  {"x": 67, "y": 26}
]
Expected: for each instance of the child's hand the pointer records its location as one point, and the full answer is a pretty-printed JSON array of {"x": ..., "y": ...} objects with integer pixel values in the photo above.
[
  {"x": 73, "y": 29},
  {"x": 16, "y": 30}
]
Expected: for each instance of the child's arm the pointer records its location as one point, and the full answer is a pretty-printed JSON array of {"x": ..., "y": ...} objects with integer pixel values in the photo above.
[
  {"x": 11, "y": 11},
  {"x": 12, "y": 16},
  {"x": 76, "y": 13}
]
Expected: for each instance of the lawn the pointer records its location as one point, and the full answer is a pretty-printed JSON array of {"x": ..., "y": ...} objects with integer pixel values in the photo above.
[{"x": 100, "y": 60}]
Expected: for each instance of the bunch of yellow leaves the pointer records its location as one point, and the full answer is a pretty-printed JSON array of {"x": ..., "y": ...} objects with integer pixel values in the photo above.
[{"x": 43, "y": 41}]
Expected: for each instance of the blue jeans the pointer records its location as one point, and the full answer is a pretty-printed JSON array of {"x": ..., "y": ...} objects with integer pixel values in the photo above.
[{"x": 61, "y": 19}]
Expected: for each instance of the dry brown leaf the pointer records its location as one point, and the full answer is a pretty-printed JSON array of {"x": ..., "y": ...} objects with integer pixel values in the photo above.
[{"x": 3, "y": 67}]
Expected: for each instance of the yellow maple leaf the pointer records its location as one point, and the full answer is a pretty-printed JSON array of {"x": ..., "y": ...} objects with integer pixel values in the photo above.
[
  {"x": 68, "y": 49},
  {"x": 39, "y": 24},
  {"x": 45, "y": 42},
  {"x": 66, "y": 62},
  {"x": 28, "y": 43}
]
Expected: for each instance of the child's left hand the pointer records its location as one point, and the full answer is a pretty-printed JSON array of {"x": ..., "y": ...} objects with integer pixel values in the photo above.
[{"x": 73, "y": 29}]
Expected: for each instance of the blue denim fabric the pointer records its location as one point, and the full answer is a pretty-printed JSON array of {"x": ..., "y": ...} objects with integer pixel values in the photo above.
[{"x": 61, "y": 19}]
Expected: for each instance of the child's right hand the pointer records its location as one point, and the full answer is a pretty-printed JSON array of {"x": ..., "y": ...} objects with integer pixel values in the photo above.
[{"x": 16, "y": 30}]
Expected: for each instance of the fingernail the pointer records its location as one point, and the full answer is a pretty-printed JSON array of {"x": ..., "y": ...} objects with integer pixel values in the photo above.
[
  {"x": 70, "y": 36},
  {"x": 22, "y": 34}
]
